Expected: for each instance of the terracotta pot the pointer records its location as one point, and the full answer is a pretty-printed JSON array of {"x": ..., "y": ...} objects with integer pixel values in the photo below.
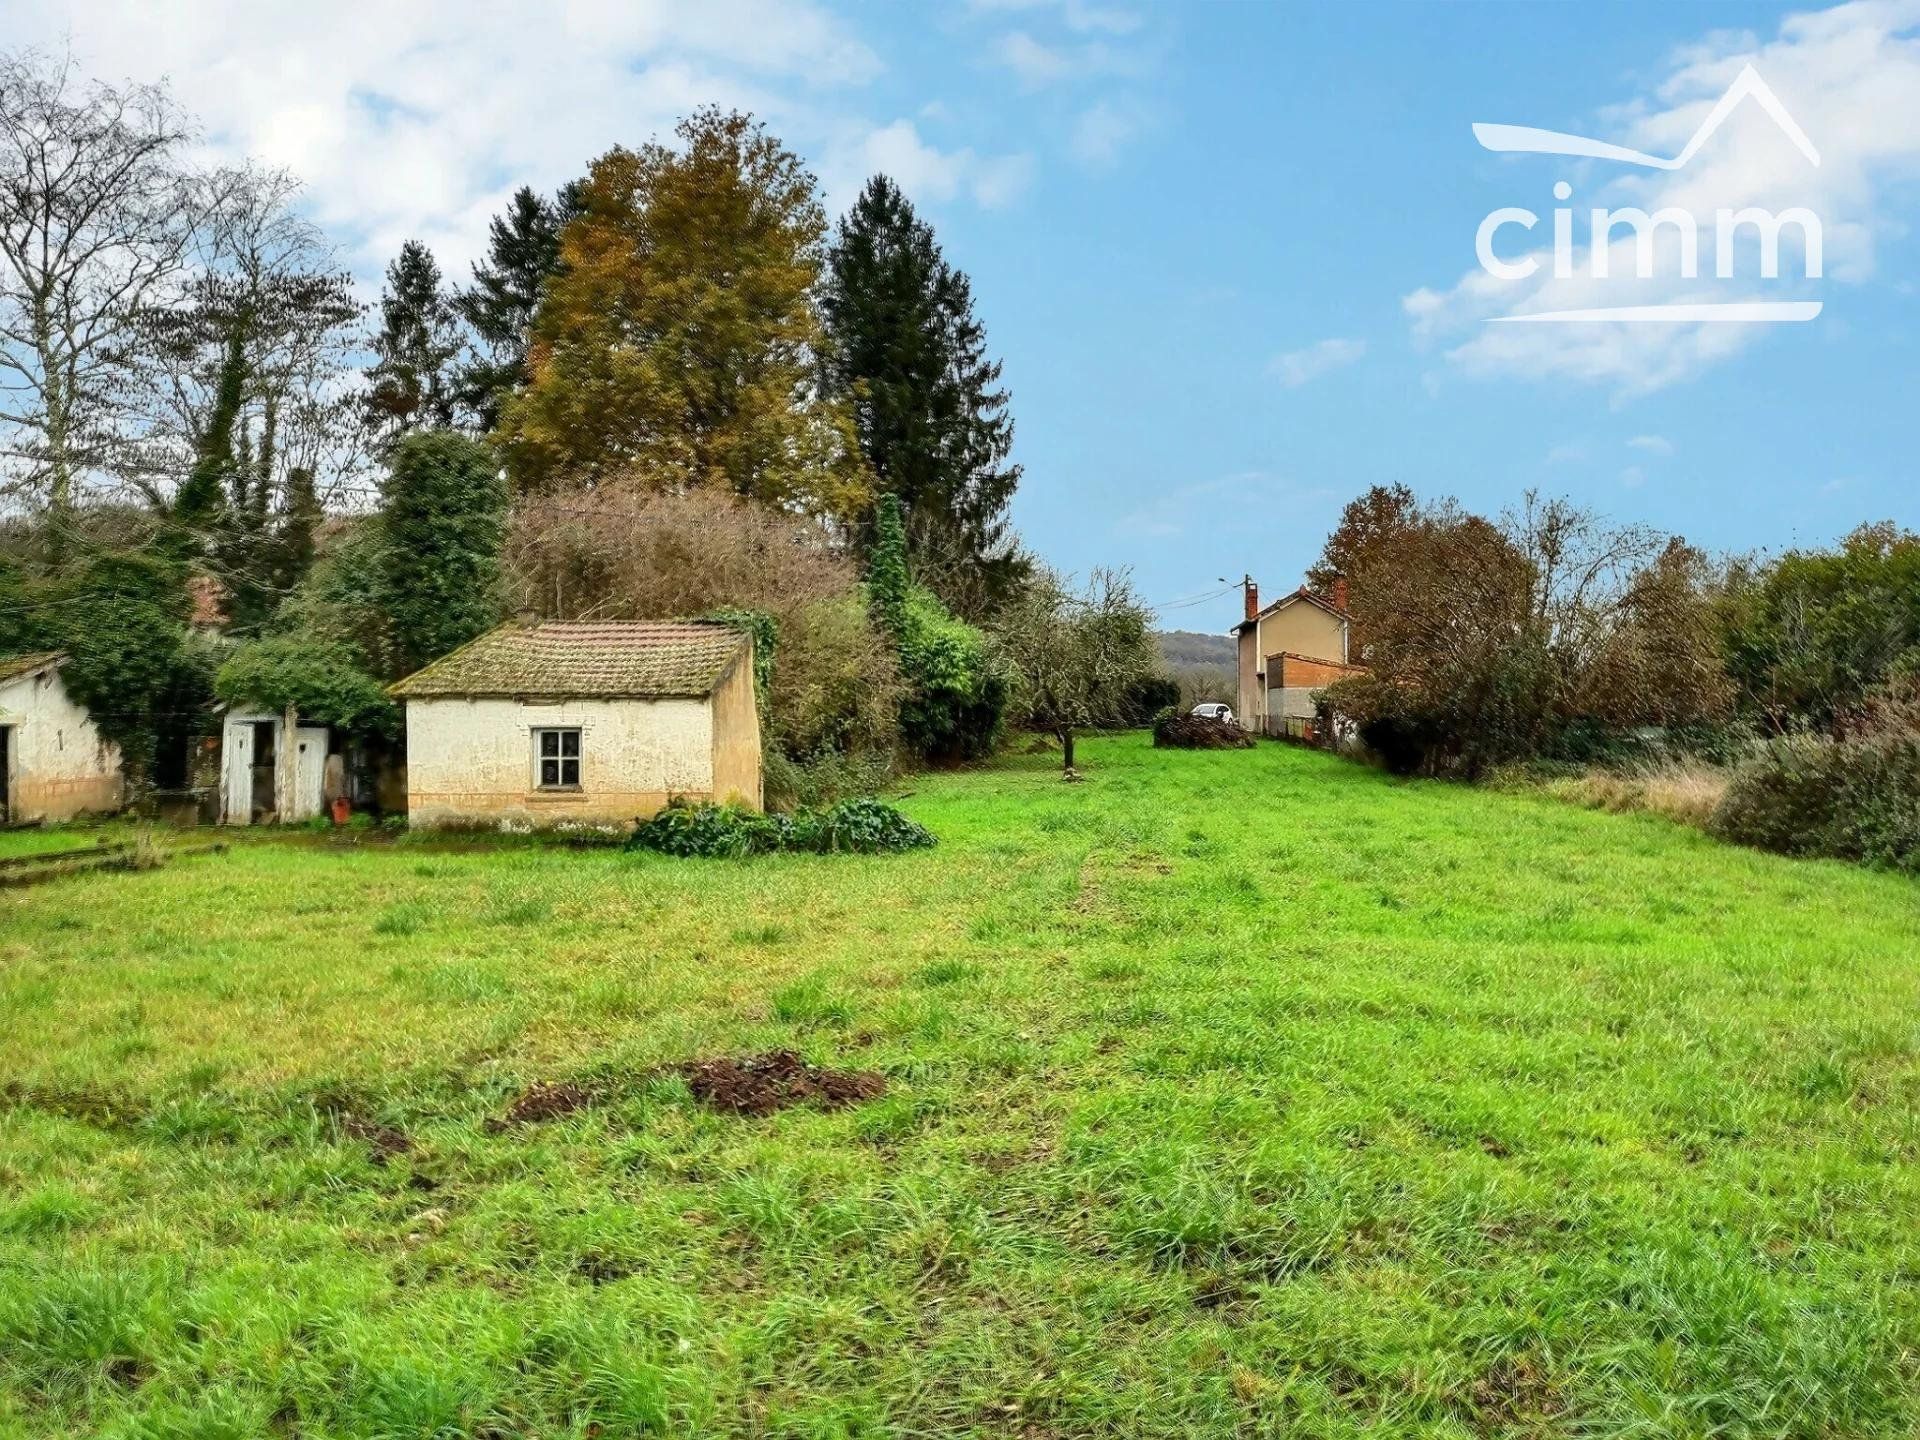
[{"x": 341, "y": 809}]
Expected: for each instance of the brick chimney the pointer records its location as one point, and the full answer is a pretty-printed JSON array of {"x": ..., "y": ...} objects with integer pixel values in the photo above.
[
  {"x": 1252, "y": 592},
  {"x": 1339, "y": 595}
]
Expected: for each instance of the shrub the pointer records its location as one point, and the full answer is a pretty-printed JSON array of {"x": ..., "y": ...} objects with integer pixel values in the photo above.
[
  {"x": 711, "y": 831},
  {"x": 1879, "y": 811},
  {"x": 1784, "y": 798},
  {"x": 866, "y": 827},
  {"x": 1172, "y": 730},
  {"x": 956, "y": 697},
  {"x": 624, "y": 552},
  {"x": 1853, "y": 799},
  {"x": 821, "y": 779},
  {"x": 1148, "y": 696}
]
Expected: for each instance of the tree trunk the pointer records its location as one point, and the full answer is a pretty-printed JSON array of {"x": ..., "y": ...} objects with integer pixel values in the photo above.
[{"x": 1066, "y": 749}]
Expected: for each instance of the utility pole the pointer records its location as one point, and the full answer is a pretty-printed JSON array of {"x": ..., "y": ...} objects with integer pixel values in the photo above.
[{"x": 1249, "y": 596}]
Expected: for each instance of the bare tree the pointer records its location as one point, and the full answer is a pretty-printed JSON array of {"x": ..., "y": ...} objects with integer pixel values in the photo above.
[
  {"x": 1583, "y": 569},
  {"x": 96, "y": 223},
  {"x": 265, "y": 296}
]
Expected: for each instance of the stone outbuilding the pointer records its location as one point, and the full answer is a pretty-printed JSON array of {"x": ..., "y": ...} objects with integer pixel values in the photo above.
[
  {"x": 54, "y": 763},
  {"x": 534, "y": 725}
]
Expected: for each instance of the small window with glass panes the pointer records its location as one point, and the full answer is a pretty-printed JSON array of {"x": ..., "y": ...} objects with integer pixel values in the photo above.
[{"x": 556, "y": 759}]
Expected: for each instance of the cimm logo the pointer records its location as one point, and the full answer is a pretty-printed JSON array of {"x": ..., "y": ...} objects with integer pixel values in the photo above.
[{"x": 1682, "y": 255}]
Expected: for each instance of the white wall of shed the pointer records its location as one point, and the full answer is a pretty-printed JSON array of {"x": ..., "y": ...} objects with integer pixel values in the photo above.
[
  {"x": 59, "y": 766},
  {"x": 471, "y": 761}
]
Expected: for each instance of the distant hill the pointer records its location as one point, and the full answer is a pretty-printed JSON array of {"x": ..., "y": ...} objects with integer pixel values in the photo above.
[
  {"x": 1203, "y": 664},
  {"x": 1195, "y": 647}
]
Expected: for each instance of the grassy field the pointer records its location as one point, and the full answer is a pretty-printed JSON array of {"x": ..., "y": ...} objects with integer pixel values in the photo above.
[{"x": 1244, "y": 1093}]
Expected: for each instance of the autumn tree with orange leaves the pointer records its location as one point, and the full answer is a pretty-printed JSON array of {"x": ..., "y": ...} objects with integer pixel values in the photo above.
[{"x": 678, "y": 344}]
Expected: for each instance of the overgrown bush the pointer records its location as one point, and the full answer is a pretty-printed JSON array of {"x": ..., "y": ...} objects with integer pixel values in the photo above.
[
  {"x": 1150, "y": 695},
  {"x": 1173, "y": 730},
  {"x": 318, "y": 678},
  {"x": 1856, "y": 798},
  {"x": 953, "y": 695},
  {"x": 823, "y": 778},
  {"x": 956, "y": 697},
  {"x": 865, "y": 827},
  {"x": 121, "y": 617},
  {"x": 624, "y": 552}
]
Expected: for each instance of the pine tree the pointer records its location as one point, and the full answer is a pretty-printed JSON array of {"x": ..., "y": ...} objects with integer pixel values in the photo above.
[
  {"x": 523, "y": 250},
  {"x": 928, "y": 406},
  {"x": 413, "y": 378},
  {"x": 442, "y": 522}
]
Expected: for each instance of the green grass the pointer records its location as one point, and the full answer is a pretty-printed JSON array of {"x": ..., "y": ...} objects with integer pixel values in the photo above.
[{"x": 1246, "y": 1093}]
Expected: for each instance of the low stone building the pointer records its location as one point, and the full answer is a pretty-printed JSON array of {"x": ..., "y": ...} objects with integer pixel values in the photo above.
[
  {"x": 54, "y": 763},
  {"x": 543, "y": 724}
]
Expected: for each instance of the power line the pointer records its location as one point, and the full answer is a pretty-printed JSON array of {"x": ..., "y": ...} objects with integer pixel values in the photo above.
[{"x": 1189, "y": 601}]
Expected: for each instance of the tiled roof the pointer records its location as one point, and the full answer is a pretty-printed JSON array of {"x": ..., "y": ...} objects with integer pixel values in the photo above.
[
  {"x": 583, "y": 660},
  {"x": 1303, "y": 593},
  {"x": 14, "y": 666}
]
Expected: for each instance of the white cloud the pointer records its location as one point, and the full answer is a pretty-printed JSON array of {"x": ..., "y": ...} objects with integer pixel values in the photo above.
[
  {"x": 1036, "y": 64},
  {"x": 1076, "y": 49},
  {"x": 1568, "y": 453},
  {"x": 1001, "y": 180},
  {"x": 1633, "y": 477},
  {"x": 1100, "y": 133},
  {"x": 1079, "y": 16},
  {"x": 1850, "y": 76},
  {"x": 926, "y": 173},
  {"x": 1297, "y": 367},
  {"x": 416, "y": 118},
  {"x": 1652, "y": 444}
]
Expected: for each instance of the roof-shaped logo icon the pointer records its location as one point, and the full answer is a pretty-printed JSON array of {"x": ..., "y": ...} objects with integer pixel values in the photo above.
[{"x": 1524, "y": 139}]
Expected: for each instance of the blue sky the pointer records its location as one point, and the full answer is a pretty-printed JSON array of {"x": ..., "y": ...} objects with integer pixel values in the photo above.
[{"x": 1225, "y": 251}]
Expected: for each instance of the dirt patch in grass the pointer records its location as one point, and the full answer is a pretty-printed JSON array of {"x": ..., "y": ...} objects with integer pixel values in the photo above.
[
  {"x": 762, "y": 1084},
  {"x": 383, "y": 1142},
  {"x": 545, "y": 1100},
  {"x": 94, "y": 1105},
  {"x": 1516, "y": 1391}
]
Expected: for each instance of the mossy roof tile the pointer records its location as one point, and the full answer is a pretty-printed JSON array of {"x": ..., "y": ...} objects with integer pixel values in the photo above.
[{"x": 606, "y": 661}]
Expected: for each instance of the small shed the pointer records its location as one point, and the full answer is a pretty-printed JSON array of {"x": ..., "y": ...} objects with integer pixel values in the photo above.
[
  {"x": 54, "y": 763},
  {"x": 272, "y": 768},
  {"x": 534, "y": 725}
]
